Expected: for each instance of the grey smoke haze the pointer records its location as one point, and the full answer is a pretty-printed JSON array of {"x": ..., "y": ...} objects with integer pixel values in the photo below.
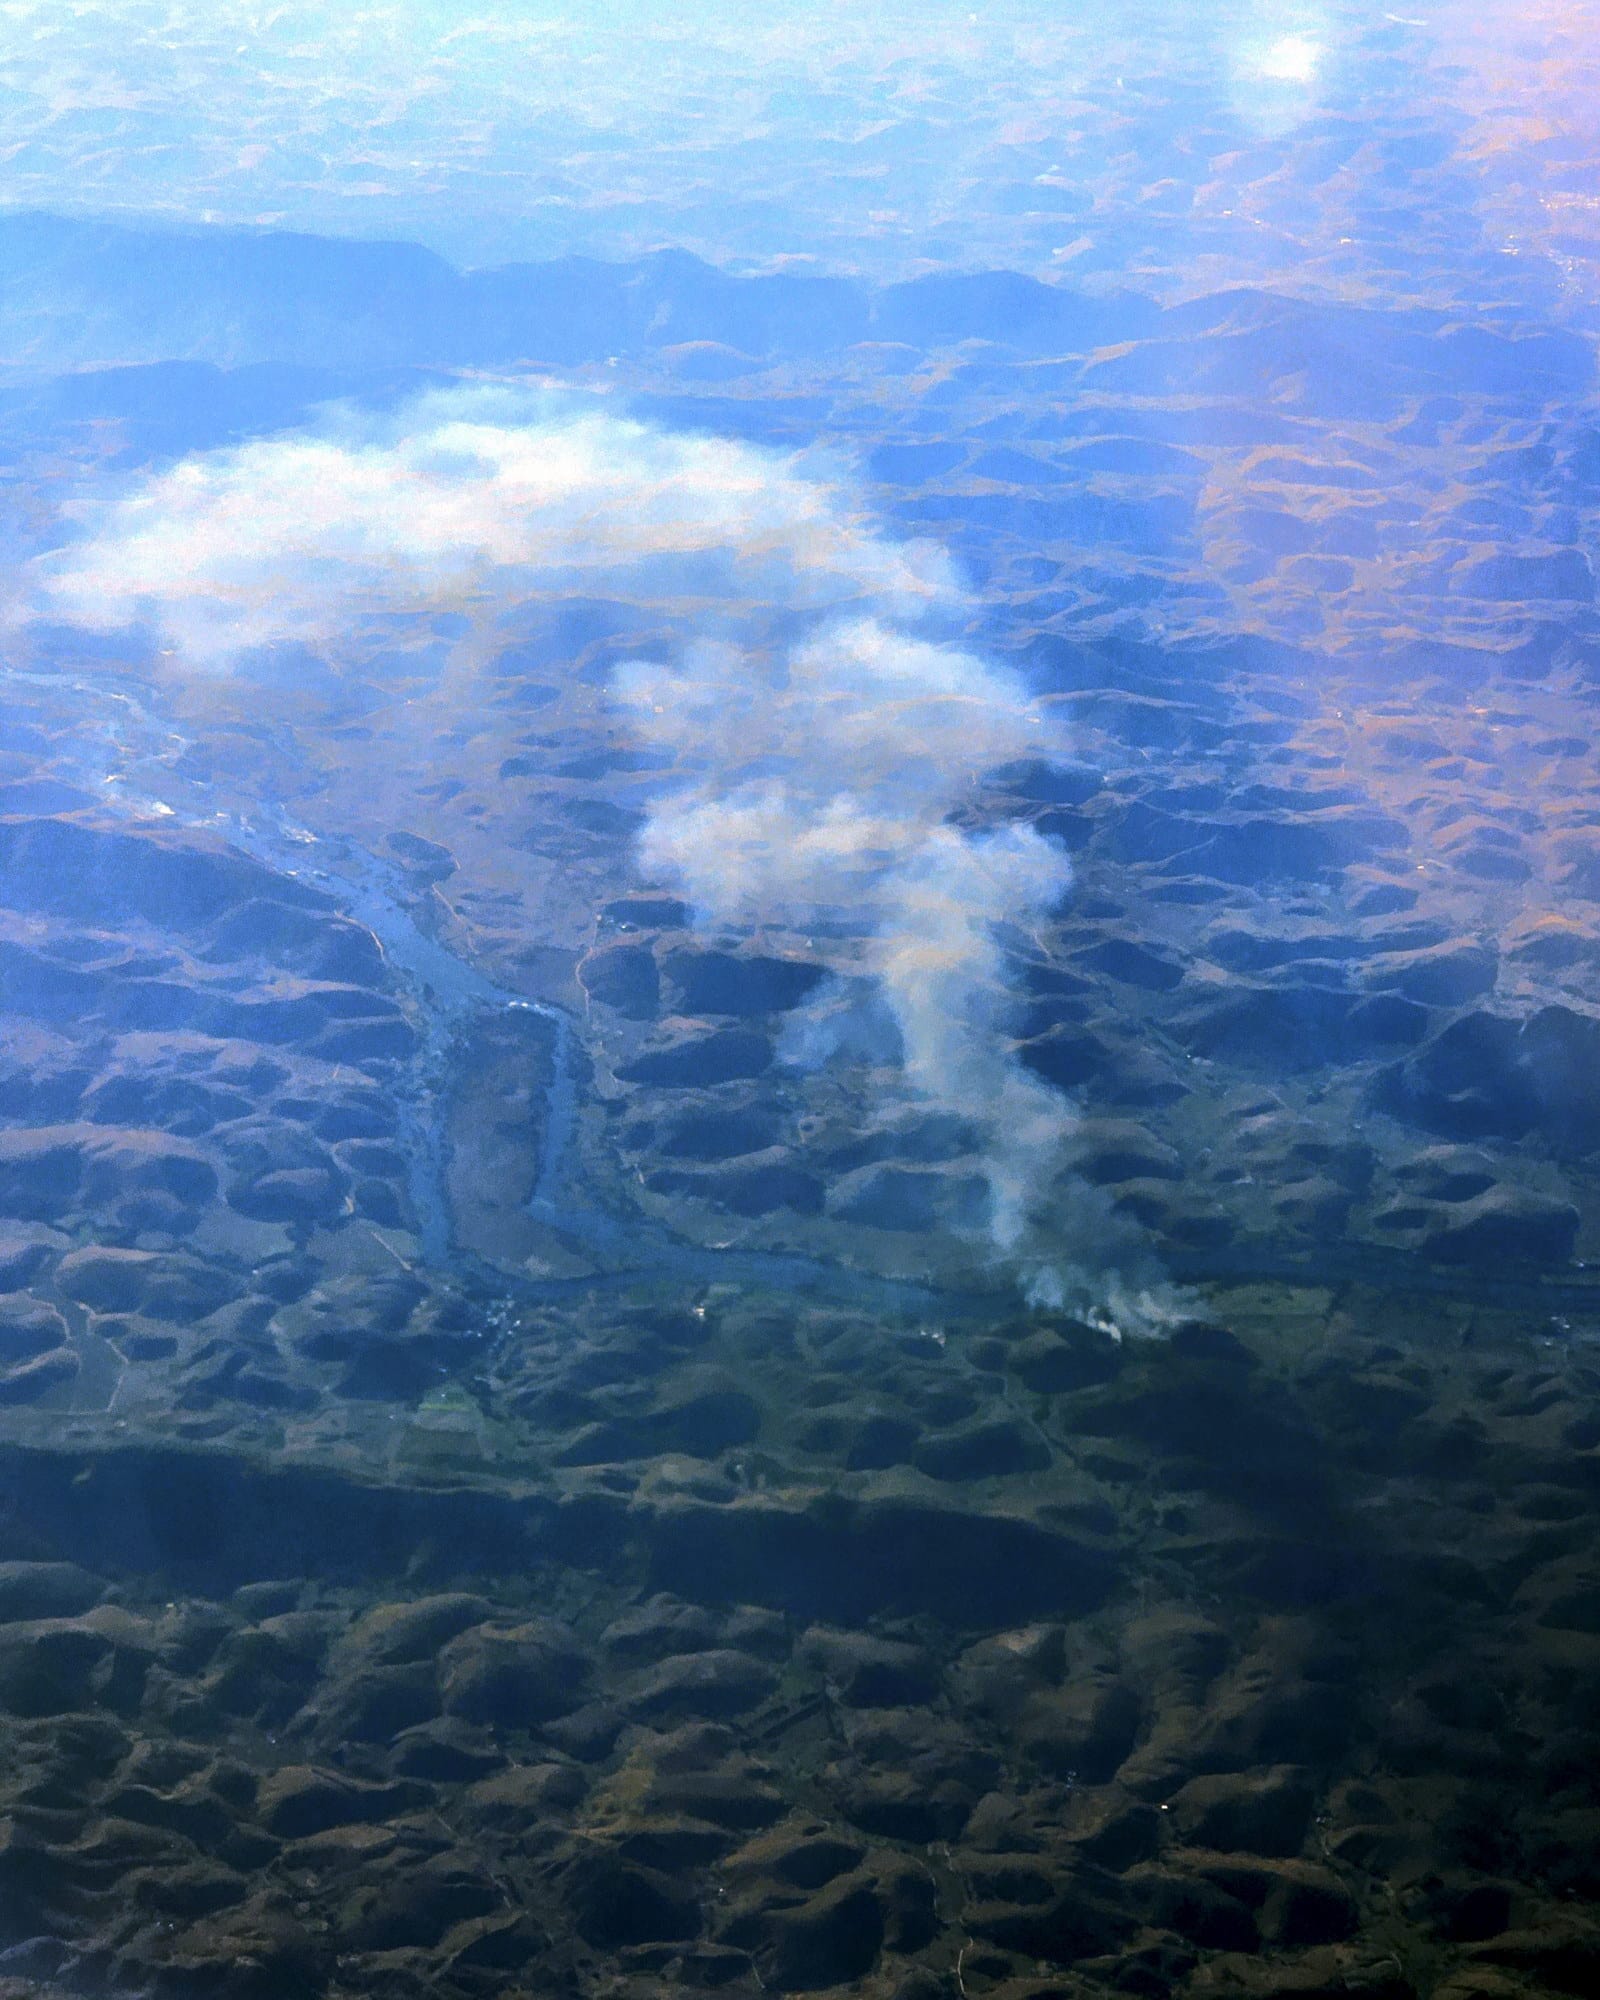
[
  {"x": 813, "y": 779},
  {"x": 821, "y": 782}
]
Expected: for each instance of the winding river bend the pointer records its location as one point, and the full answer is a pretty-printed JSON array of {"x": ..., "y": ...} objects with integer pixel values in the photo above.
[
  {"x": 126, "y": 747},
  {"x": 448, "y": 996}
]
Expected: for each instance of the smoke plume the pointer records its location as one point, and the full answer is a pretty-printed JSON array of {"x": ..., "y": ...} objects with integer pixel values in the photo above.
[
  {"x": 817, "y": 780},
  {"x": 822, "y": 780}
]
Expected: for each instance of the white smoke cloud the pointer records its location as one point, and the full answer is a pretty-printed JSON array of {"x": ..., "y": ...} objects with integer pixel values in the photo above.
[
  {"x": 463, "y": 501},
  {"x": 817, "y": 779},
  {"x": 822, "y": 785},
  {"x": 824, "y": 766}
]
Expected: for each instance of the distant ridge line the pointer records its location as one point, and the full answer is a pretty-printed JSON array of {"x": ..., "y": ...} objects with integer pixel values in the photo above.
[{"x": 84, "y": 292}]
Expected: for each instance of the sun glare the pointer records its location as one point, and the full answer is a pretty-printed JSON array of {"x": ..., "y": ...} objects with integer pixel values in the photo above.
[{"x": 1290, "y": 59}]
